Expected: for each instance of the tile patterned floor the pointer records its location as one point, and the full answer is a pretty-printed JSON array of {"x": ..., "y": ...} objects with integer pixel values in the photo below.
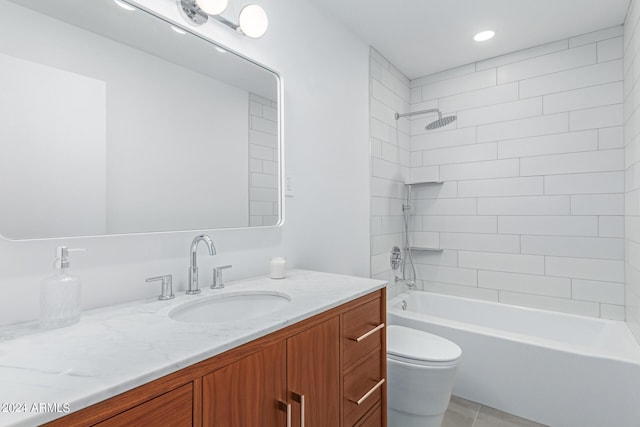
[{"x": 464, "y": 413}]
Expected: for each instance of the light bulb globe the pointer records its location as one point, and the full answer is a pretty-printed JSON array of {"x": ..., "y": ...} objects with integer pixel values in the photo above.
[
  {"x": 253, "y": 21},
  {"x": 212, "y": 7}
]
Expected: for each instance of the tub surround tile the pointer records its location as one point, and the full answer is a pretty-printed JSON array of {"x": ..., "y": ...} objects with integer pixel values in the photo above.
[
  {"x": 591, "y": 290},
  {"x": 631, "y": 52},
  {"x": 588, "y": 269},
  {"x": 452, "y": 138},
  {"x": 480, "y": 98},
  {"x": 532, "y": 170},
  {"x": 572, "y": 79},
  {"x": 610, "y": 49},
  {"x": 579, "y": 99},
  {"x": 502, "y": 187},
  {"x": 596, "y": 36},
  {"x": 612, "y": 312},
  {"x": 522, "y": 55},
  {"x": 576, "y": 247},
  {"x": 585, "y": 183},
  {"x": 515, "y": 263},
  {"x": 525, "y": 283},
  {"x": 535, "y": 126},
  {"x": 549, "y": 144},
  {"x": 453, "y": 275},
  {"x": 547, "y": 64},
  {"x": 461, "y": 291}
]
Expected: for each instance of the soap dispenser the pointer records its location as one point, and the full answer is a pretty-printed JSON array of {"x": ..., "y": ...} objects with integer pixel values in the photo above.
[{"x": 60, "y": 294}]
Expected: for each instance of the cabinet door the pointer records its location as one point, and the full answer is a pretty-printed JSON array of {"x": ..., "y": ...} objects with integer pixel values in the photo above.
[
  {"x": 313, "y": 375},
  {"x": 247, "y": 392},
  {"x": 174, "y": 408}
]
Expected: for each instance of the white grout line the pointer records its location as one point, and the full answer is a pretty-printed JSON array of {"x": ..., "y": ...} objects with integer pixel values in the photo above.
[{"x": 476, "y": 417}]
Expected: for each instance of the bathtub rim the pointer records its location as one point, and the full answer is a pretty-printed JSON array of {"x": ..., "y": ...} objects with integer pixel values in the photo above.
[{"x": 393, "y": 309}]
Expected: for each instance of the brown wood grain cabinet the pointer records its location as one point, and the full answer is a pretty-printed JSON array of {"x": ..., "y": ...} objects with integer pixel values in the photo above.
[
  {"x": 313, "y": 375},
  {"x": 325, "y": 371},
  {"x": 364, "y": 364},
  {"x": 247, "y": 392}
]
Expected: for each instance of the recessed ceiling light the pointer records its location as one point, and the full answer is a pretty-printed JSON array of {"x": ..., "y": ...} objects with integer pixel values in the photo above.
[
  {"x": 178, "y": 30},
  {"x": 124, "y": 5},
  {"x": 484, "y": 36},
  {"x": 221, "y": 50}
]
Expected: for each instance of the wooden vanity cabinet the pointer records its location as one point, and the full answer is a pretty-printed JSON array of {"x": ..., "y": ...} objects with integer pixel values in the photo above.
[
  {"x": 247, "y": 392},
  {"x": 328, "y": 371},
  {"x": 313, "y": 375},
  {"x": 364, "y": 364},
  {"x": 173, "y": 408}
]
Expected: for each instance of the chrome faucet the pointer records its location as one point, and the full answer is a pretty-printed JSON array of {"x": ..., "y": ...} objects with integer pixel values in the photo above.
[{"x": 193, "y": 267}]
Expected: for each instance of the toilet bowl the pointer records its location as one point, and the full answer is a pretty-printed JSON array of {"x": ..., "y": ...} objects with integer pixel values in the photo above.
[{"x": 421, "y": 370}]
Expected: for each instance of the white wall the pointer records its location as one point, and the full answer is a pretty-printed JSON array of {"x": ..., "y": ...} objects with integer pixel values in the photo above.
[
  {"x": 531, "y": 208},
  {"x": 324, "y": 71},
  {"x": 632, "y": 166}
]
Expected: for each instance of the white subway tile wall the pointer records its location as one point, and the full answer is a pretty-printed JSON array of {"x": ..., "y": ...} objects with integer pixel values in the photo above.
[
  {"x": 263, "y": 161},
  {"x": 631, "y": 51},
  {"x": 390, "y": 92},
  {"x": 532, "y": 203}
]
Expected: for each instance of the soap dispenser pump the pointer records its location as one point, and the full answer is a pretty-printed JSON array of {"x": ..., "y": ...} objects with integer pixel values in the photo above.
[{"x": 60, "y": 294}]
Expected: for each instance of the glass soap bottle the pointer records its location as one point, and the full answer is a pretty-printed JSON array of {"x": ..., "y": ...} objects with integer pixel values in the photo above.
[{"x": 60, "y": 294}]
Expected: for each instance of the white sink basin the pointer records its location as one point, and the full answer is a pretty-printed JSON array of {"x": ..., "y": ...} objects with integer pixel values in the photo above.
[{"x": 230, "y": 307}]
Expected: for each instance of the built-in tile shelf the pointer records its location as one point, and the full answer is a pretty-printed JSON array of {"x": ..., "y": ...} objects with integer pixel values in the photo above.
[
  {"x": 423, "y": 182},
  {"x": 418, "y": 248}
]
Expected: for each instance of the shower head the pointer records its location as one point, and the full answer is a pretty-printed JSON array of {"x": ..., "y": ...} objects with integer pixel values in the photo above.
[{"x": 441, "y": 122}]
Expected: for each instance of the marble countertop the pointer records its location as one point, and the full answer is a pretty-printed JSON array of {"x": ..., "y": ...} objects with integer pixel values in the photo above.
[{"x": 46, "y": 374}]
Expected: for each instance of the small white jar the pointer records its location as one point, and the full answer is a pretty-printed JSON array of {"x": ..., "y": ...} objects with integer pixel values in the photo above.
[{"x": 278, "y": 267}]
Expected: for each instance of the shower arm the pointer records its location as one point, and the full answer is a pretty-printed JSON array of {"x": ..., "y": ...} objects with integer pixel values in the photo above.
[{"x": 414, "y": 113}]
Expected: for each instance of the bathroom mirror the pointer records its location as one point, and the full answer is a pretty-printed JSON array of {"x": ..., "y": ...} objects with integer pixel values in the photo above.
[{"x": 115, "y": 121}]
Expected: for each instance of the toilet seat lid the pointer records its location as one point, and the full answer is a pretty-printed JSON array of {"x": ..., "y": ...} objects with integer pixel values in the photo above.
[{"x": 418, "y": 345}]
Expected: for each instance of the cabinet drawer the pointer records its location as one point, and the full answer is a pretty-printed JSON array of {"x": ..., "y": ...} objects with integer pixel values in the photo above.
[
  {"x": 363, "y": 388},
  {"x": 362, "y": 331},
  {"x": 372, "y": 419}
]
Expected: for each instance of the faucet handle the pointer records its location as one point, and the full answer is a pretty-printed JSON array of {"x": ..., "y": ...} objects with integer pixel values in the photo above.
[
  {"x": 167, "y": 288},
  {"x": 217, "y": 277}
]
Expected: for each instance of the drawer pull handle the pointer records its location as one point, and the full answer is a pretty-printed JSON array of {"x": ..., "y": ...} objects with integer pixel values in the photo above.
[
  {"x": 369, "y": 393},
  {"x": 367, "y": 334},
  {"x": 287, "y": 407}
]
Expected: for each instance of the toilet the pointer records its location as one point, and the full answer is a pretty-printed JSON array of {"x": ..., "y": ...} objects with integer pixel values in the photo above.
[{"x": 421, "y": 369}]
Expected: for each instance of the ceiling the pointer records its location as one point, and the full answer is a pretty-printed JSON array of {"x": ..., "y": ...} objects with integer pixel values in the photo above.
[{"x": 421, "y": 37}]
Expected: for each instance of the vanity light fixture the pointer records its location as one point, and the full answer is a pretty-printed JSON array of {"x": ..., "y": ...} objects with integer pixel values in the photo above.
[
  {"x": 252, "y": 22},
  {"x": 483, "y": 36},
  {"x": 125, "y": 6}
]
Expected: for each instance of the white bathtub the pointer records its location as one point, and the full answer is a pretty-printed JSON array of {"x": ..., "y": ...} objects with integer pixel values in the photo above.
[{"x": 557, "y": 369}]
